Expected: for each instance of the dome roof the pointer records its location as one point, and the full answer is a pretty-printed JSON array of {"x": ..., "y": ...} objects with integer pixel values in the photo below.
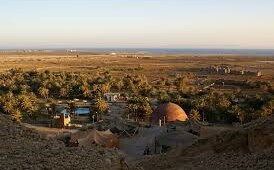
[{"x": 170, "y": 111}]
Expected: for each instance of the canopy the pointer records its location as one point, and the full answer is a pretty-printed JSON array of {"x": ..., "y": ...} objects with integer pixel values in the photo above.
[{"x": 102, "y": 138}]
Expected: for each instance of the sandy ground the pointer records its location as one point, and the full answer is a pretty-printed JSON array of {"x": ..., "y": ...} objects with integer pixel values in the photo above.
[{"x": 133, "y": 147}]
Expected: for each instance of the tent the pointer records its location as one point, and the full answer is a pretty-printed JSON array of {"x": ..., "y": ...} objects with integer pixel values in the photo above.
[{"x": 103, "y": 138}]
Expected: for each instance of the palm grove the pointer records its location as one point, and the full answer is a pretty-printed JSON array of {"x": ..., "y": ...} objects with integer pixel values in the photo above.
[{"x": 24, "y": 92}]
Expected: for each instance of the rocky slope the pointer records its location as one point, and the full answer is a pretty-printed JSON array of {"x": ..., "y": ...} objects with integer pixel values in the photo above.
[
  {"x": 248, "y": 147},
  {"x": 21, "y": 148}
]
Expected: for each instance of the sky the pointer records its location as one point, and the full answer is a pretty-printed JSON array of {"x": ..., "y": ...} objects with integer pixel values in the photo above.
[{"x": 137, "y": 24}]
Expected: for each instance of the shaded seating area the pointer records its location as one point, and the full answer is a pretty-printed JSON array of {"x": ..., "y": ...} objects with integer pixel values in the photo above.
[{"x": 90, "y": 137}]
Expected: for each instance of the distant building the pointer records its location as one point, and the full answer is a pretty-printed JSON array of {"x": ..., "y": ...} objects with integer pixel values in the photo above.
[
  {"x": 228, "y": 70},
  {"x": 216, "y": 69},
  {"x": 174, "y": 74},
  {"x": 168, "y": 112},
  {"x": 62, "y": 119},
  {"x": 259, "y": 73},
  {"x": 111, "y": 97}
]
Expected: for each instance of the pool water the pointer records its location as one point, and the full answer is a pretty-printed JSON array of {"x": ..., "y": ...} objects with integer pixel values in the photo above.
[{"x": 82, "y": 111}]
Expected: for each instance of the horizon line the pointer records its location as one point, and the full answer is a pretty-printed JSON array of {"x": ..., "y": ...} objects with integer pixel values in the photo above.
[{"x": 167, "y": 48}]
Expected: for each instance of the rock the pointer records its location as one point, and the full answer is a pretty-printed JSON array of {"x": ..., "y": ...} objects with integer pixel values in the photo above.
[{"x": 108, "y": 162}]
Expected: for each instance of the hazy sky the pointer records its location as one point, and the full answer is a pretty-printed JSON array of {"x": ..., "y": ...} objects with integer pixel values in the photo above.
[{"x": 137, "y": 23}]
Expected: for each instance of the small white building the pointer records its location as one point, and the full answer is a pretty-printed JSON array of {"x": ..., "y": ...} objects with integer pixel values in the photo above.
[
  {"x": 111, "y": 97},
  {"x": 259, "y": 73}
]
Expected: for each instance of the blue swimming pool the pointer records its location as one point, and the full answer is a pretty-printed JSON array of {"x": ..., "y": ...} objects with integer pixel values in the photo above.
[{"x": 82, "y": 111}]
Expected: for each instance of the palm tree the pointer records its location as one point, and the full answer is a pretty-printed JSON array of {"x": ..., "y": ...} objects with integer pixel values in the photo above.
[
  {"x": 164, "y": 97},
  {"x": 8, "y": 106},
  {"x": 202, "y": 105},
  {"x": 267, "y": 109},
  {"x": 24, "y": 89},
  {"x": 86, "y": 91},
  {"x": 181, "y": 83},
  {"x": 195, "y": 115},
  {"x": 118, "y": 85},
  {"x": 105, "y": 88},
  {"x": 72, "y": 108},
  {"x": 16, "y": 115},
  {"x": 101, "y": 105},
  {"x": 224, "y": 103},
  {"x": 44, "y": 92},
  {"x": 132, "y": 108},
  {"x": 236, "y": 110},
  {"x": 9, "y": 102},
  {"x": 27, "y": 103},
  {"x": 139, "y": 107},
  {"x": 24, "y": 102},
  {"x": 147, "y": 110},
  {"x": 63, "y": 92},
  {"x": 95, "y": 90}
]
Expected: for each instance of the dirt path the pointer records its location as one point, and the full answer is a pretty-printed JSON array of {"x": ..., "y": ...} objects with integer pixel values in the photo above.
[{"x": 49, "y": 132}]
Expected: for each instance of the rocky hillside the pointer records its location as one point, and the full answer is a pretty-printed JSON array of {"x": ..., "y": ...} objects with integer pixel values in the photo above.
[
  {"x": 248, "y": 147},
  {"x": 21, "y": 148}
]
